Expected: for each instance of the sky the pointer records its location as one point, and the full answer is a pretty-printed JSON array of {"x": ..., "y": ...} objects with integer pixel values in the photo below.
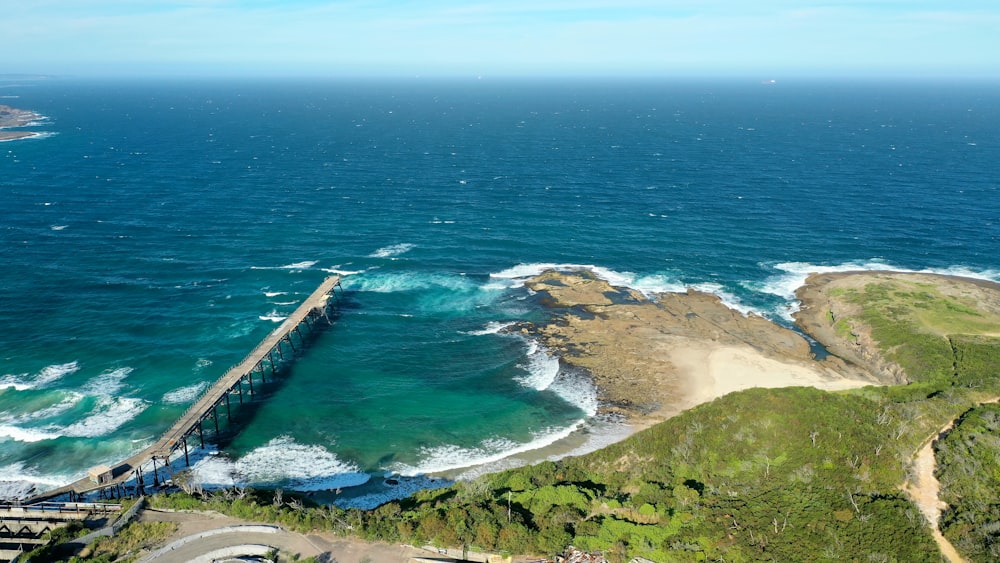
[{"x": 759, "y": 38}]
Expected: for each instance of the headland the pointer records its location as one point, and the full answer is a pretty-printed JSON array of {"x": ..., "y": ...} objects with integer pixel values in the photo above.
[{"x": 13, "y": 117}]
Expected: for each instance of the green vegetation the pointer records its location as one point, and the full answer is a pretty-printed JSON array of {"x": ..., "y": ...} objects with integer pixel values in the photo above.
[
  {"x": 793, "y": 474},
  {"x": 969, "y": 472},
  {"x": 927, "y": 332},
  {"x": 127, "y": 545},
  {"x": 780, "y": 474}
]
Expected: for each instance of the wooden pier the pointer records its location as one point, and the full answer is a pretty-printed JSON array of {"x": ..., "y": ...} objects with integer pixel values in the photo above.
[{"x": 215, "y": 398}]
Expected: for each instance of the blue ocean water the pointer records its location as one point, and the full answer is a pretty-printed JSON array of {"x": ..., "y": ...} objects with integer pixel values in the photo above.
[{"x": 159, "y": 229}]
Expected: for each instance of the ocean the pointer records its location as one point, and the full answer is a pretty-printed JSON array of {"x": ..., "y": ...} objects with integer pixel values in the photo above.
[{"x": 158, "y": 229}]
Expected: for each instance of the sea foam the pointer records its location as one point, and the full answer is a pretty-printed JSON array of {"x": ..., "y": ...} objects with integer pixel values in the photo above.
[
  {"x": 184, "y": 394},
  {"x": 392, "y": 250},
  {"x": 107, "y": 383},
  {"x": 449, "y": 457},
  {"x": 647, "y": 285},
  {"x": 281, "y": 462},
  {"x": 109, "y": 414}
]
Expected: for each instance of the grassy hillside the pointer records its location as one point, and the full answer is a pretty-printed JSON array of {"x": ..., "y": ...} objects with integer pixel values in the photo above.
[{"x": 792, "y": 474}]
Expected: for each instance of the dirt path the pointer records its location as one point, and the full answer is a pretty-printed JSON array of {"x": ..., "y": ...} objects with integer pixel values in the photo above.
[{"x": 924, "y": 489}]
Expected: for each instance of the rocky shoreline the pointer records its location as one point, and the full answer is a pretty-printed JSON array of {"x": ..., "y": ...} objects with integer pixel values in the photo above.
[
  {"x": 651, "y": 358},
  {"x": 12, "y": 118}
]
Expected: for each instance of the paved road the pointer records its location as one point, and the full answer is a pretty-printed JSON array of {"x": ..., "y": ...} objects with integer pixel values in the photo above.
[{"x": 200, "y": 533}]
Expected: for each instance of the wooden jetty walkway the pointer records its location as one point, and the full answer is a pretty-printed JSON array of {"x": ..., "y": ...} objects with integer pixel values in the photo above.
[{"x": 314, "y": 308}]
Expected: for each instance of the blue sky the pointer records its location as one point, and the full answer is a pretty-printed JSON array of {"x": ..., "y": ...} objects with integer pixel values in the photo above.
[{"x": 765, "y": 38}]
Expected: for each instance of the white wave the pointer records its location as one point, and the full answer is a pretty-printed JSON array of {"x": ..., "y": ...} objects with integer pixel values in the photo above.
[
  {"x": 402, "y": 488},
  {"x": 14, "y": 382},
  {"x": 492, "y": 327},
  {"x": 273, "y": 316},
  {"x": 595, "y": 434},
  {"x": 379, "y": 282},
  {"x": 647, "y": 285},
  {"x": 184, "y": 394},
  {"x": 202, "y": 363},
  {"x": 18, "y": 481},
  {"x": 56, "y": 409},
  {"x": 794, "y": 276},
  {"x": 448, "y": 457},
  {"x": 728, "y": 299},
  {"x": 108, "y": 383},
  {"x": 19, "y": 434},
  {"x": 541, "y": 367},
  {"x": 275, "y": 293},
  {"x": 392, "y": 250},
  {"x": 16, "y": 490},
  {"x": 304, "y": 265},
  {"x": 341, "y": 272},
  {"x": 47, "y": 375},
  {"x": 285, "y": 303},
  {"x": 58, "y": 227},
  {"x": 282, "y": 461},
  {"x": 107, "y": 416},
  {"x": 54, "y": 372},
  {"x": 576, "y": 389},
  {"x": 307, "y": 467}
]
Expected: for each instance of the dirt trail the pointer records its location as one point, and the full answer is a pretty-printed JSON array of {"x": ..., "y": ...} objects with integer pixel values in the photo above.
[{"x": 925, "y": 487}]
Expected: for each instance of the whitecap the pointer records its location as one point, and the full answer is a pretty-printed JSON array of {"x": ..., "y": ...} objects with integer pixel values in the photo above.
[
  {"x": 58, "y": 227},
  {"x": 492, "y": 327},
  {"x": 108, "y": 383},
  {"x": 48, "y": 374},
  {"x": 392, "y": 250},
  {"x": 304, "y": 265},
  {"x": 55, "y": 372},
  {"x": 305, "y": 467},
  {"x": 437, "y": 292},
  {"x": 107, "y": 416},
  {"x": 283, "y": 462},
  {"x": 647, "y": 285},
  {"x": 341, "y": 272},
  {"x": 56, "y": 409},
  {"x": 541, "y": 368},
  {"x": 18, "y": 481},
  {"x": 576, "y": 389},
  {"x": 20, "y": 434},
  {"x": 275, "y": 293},
  {"x": 449, "y": 457},
  {"x": 273, "y": 316},
  {"x": 595, "y": 434},
  {"x": 184, "y": 394},
  {"x": 728, "y": 299}
]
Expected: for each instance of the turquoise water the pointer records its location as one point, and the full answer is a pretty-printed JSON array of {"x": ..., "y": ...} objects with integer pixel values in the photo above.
[{"x": 159, "y": 230}]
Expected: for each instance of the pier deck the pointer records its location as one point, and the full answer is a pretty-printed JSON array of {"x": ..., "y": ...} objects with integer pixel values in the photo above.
[{"x": 176, "y": 436}]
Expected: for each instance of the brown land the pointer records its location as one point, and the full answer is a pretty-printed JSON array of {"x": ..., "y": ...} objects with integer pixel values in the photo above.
[
  {"x": 13, "y": 117},
  {"x": 653, "y": 358}
]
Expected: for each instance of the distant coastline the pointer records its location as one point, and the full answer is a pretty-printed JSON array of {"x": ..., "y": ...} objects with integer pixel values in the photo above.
[{"x": 14, "y": 118}]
